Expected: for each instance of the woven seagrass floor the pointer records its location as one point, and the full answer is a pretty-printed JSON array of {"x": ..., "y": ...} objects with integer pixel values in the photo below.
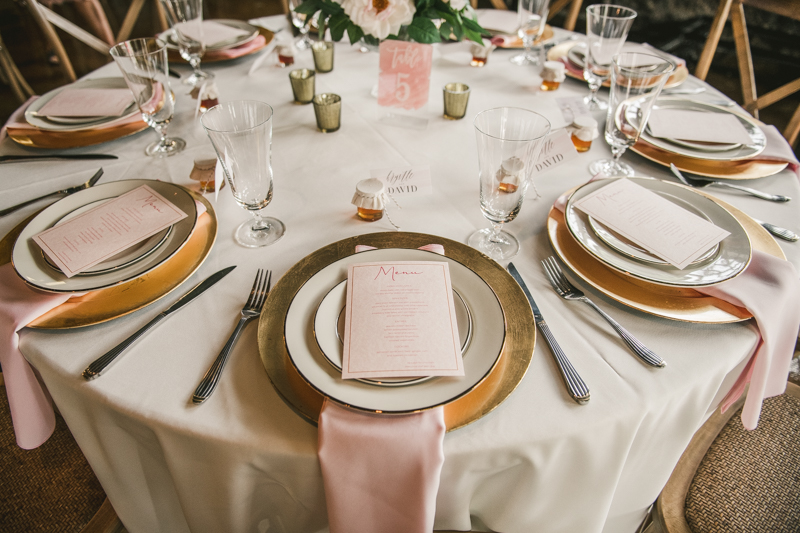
[{"x": 49, "y": 489}]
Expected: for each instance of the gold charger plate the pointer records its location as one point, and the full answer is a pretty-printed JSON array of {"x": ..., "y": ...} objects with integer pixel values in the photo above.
[
  {"x": 675, "y": 303},
  {"x": 514, "y": 360},
  {"x": 216, "y": 56},
  {"x": 559, "y": 52},
  {"x": 743, "y": 169},
  {"x": 107, "y": 304},
  {"x": 36, "y": 138},
  {"x": 547, "y": 34}
]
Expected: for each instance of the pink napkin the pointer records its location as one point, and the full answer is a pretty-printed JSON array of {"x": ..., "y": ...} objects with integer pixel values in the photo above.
[
  {"x": 239, "y": 51},
  {"x": 381, "y": 472},
  {"x": 17, "y": 118},
  {"x": 769, "y": 289},
  {"x": 31, "y": 406},
  {"x": 778, "y": 149}
]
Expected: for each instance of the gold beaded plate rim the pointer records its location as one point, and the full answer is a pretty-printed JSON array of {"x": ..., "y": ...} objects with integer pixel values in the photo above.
[{"x": 513, "y": 363}]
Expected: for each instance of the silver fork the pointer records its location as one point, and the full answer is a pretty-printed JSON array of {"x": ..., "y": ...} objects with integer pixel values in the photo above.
[
  {"x": 704, "y": 182},
  {"x": 251, "y": 309},
  {"x": 566, "y": 290}
]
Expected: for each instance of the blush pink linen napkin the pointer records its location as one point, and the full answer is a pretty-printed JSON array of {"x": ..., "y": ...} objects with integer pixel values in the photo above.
[
  {"x": 381, "y": 472},
  {"x": 31, "y": 407},
  {"x": 239, "y": 51},
  {"x": 769, "y": 289}
]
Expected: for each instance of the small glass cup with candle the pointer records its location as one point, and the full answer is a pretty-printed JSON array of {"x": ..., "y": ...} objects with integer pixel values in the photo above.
[{"x": 552, "y": 75}]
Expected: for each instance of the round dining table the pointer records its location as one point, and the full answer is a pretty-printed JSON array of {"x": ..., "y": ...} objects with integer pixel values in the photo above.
[{"x": 244, "y": 461}]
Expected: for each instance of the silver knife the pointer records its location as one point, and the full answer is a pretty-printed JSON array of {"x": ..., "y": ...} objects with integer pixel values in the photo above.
[
  {"x": 45, "y": 157},
  {"x": 575, "y": 385},
  {"x": 100, "y": 364}
]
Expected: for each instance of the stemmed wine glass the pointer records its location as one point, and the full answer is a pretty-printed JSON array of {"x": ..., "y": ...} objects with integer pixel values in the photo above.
[
  {"x": 186, "y": 19},
  {"x": 241, "y": 132},
  {"x": 509, "y": 141},
  {"x": 636, "y": 82},
  {"x": 299, "y": 22},
  {"x": 607, "y": 27},
  {"x": 143, "y": 63},
  {"x": 532, "y": 16}
]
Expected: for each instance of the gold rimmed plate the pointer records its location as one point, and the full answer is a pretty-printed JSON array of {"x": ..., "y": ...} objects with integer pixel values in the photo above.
[
  {"x": 488, "y": 393},
  {"x": 107, "y": 304},
  {"x": 675, "y": 303}
]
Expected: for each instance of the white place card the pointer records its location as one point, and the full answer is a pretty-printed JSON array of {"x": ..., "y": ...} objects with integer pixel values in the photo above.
[
  {"x": 405, "y": 180},
  {"x": 400, "y": 321},
  {"x": 107, "y": 229},
  {"x": 572, "y": 107},
  {"x": 556, "y": 150},
  {"x": 697, "y": 126},
  {"x": 659, "y": 226},
  {"x": 85, "y": 102}
]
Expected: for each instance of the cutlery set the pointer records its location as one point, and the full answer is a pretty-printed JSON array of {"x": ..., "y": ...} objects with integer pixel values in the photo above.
[{"x": 251, "y": 310}]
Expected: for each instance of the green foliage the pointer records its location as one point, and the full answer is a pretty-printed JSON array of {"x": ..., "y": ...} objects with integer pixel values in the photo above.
[{"x": 422, "y": 28}]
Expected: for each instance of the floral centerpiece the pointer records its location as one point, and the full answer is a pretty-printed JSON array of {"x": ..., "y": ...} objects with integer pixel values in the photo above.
[{"x": 423, "y": 21}]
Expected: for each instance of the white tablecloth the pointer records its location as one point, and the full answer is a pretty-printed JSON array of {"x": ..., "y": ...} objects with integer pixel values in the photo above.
[{"x": 244, "y": 462}]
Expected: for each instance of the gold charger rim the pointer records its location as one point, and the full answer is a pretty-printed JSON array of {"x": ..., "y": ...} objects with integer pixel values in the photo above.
[
  {"x": 38, "y": 138},
  {"x": 508, "y": 372},
  {"x": 70, "y": 316},
  {"x": 693, "y": 307}
]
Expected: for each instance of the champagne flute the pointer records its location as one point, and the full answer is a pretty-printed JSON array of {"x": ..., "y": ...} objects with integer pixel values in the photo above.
[
  {"x": 532, "y": 17},
  {"x": 607, "y": 27},
  {"x": 636, "y": 82},
  {"x": 186, "y": 19},
  {"x": 241, "y": 132},
  {"x": 509, "y": 140},
  {"x": 143, "y": 63},
  {"x": 299, "y": 22}
]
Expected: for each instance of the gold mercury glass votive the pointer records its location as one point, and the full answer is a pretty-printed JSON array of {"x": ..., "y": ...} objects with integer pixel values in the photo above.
[
  {"x": 302, "y": 81},
  {"x": 456, "y": 97},
  {"x": 323, "y": 56},
  {"x": 328, "y": 109}
]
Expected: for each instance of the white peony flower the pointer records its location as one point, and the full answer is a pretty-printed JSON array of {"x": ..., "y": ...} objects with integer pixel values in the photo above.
[
  {"x": 380, "y": 18},
  {"x": 457, "y": 5}
]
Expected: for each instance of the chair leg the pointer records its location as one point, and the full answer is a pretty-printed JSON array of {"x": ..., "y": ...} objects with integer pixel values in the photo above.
[
  {"x": 572, "y": 18},
  {"x": 744, "y": 58},
  {"x": 793, "y": 128},
  {"x": 19, "y": 87},
  {"x": 713, "y": 39}
]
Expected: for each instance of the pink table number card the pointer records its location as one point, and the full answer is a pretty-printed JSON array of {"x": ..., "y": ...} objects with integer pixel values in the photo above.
[
  {"x": 108, "y": 229},
  {"x": 404, "y": 82},
  {"x": 400, "y": 321}
]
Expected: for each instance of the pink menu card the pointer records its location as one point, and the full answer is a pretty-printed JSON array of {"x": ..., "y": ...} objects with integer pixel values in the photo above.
[
  {"x": 405, "y": 74},
  {"x": 107, "y": 229},
  {"x": 400, "y": 321}
]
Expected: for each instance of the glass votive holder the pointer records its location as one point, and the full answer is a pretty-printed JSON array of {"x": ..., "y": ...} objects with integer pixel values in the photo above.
[
  {"x": 323, "y": 56},
  {"x": 480, "y": 54},
  {"x": 285, "y": 55},
  {"x": 302, "y": 81},
  {"x": 456, "y": 97},
  {"x": 328, "y": 110},
  {"x": 552, "y": 75}
]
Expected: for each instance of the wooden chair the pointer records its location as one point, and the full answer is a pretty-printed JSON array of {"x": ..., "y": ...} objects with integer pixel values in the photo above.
[
  {"x": 10, "y": 74},
  {"x": 752, "y": 102},
  {"x": 555, "y": 8},
  {"x": 733, "y": 480}
]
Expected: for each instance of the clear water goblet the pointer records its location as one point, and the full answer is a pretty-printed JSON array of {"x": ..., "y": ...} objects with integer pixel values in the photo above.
[
  {"x": 509, "y": 140},
  {"x": 532, "y": 17},
  {"x": 241, "y": 132},
  {"x": 299, "y": 22},
  {"x": 607, "y": 27},
  {"x": 186, "y": 19},
  {"x": 636, "y": 82},
  {"x": 143, "y": 63}
]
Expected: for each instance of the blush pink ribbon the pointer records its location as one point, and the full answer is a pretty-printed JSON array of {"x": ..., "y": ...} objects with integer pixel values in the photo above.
[
  {"x": 381, "y": 472},
  {"x": 31, "y": 407},
  {"x": 769, "y": 289}
]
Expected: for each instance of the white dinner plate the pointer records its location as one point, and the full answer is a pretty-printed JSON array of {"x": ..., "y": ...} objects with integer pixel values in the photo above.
[
  {"x": 731, "y": 258},
  {"x": 631, "y": 249},
  {"x": 481, "y": 355},
  {"x": 252, "y": 32},
  {"x": 29, "y": 262},
  {"x": 696, "y": 150},
  {"x": 127, "y": 257},
  {"x": 75, "y": 123},
  {"x": 329, "y": 322}
]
